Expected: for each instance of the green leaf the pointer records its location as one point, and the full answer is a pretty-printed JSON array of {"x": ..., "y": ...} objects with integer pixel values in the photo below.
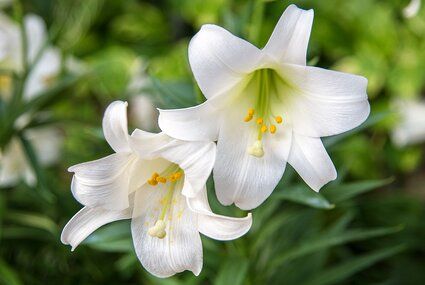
[
  {"x": 34, "y": 220},
  {"x": 111, "y": 238},
  {"x": 233, "y": 272},
  {"x": 304, "y": 195},
  {"x": 339, "y": 193},
  {"x": 326, "y": 241},
  {"x": 7, "y": 275},
  {"x": 337, "y": 274}
]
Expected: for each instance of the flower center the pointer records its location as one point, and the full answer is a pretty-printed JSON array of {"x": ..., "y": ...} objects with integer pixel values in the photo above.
[
  {"x": 265, "y": 83},
  {"x": 169, "y": 177}
]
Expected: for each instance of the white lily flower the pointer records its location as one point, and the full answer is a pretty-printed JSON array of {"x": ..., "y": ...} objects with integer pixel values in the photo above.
[
  {"x": 411, "y": 123},
  {"x": 266, "y": 108},
  {"x": 46, "y": 141},
  {"x": 159, "y": 183},
  {"x": 412, "y": 9},
  {"x": 48, "y": 65}
]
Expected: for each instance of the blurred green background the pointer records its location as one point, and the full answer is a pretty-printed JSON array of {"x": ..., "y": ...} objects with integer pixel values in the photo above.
[{"x": 367, "y": 227}]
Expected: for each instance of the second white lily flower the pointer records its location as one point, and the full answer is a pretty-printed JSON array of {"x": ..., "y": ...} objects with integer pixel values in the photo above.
[
  {"x": 159, "y": 183},
  {"x": 266, "y": 108}
]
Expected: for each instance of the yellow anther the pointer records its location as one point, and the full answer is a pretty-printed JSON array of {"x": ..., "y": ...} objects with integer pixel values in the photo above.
[
  {"x": 172, "y": 178},
  {"x": 247, "y": 118},
  {"x": 263, "y": 128},
  {"x": 278, "y": 119},
  {"x": 155, "y": 175},
  {"x": 178, "y": 175},
  {"x": 272, "y": 129},
  {"x": 260, "y": 121},
  {"x": 152, "y": 182},
  {"x": 250, "y": 112},
  {"x": 161, "y": 179}
]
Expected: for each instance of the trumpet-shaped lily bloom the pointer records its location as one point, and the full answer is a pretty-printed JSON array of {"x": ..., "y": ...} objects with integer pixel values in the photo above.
[
  {"x": 411, "y": 124},
  {"x": 266, "y": 108},
  {"x": 46, "y": 141},
  {"x": 159, "y": 183},
  {"x": 46, "y": 60}
]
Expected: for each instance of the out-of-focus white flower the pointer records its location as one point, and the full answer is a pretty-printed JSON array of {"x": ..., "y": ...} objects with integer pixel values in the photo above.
[
  {"x": 159, "y": 183},
  {"x": 14, "y": 165},
  {"x": 48, "y": 64},
  {"x": 412, "y": 9},
  {"x": 410, "y": 128},
  {"x": 46, "y": 141},
  {"x": 266, "y": 108},
  {"x": 13, "y": 161},
  {"x": 142, "y": 109}
]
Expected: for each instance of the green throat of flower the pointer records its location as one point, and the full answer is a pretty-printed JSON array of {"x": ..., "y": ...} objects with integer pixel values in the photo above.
[
  {"x": 171, "y": 178},
  {"x": 265, "y": 83}
]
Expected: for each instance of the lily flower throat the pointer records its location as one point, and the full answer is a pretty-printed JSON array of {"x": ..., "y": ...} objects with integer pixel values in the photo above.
[
  {"x": 264, "y": 89},
  {"x": 171, "y": 177}
]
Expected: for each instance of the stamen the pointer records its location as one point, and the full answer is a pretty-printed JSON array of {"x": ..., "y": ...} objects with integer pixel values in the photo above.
[
  {"x": 272, "y": 129},
  {"x": 263, "y": 128},
  {"x": 169, "y": 175},
  {"x": 248, "y": 118},
  {"x": 260, "y": 121},
  {"x": 161, "y": 179},
  {"x": 278, "y": 119},
  {"x": 251, "y": 112}
]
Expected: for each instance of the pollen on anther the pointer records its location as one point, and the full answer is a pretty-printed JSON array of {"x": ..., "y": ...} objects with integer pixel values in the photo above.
[
  {"x": 248, "y": 118},
  {"x": 152, "y": 182},
  {"x": 260, "y": 121},
  {"x": 251, "y": 112},
  {"x": 272, "y": 129},
  {"x": 263, "y": 128},
  {"x": 161, "y": 179},
  {"x": 278, "y": 119}
]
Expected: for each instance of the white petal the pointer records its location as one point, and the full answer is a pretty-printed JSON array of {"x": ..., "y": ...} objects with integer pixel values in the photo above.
[
  {"x": 146, "y": 144},
  {"x": 325, "y": 102},
  {"x": 309, "y": 158},
  {"x": 86, "y": 221},
  {"x": 410, "y": 127},
  {"x": 115, "y": 126},
  {"x": 195, "y": 158},
  {"x": 217, "y": 226},
  {"x": 47, "y": 142},
  {"x": 36, "y": 35},
  {"x": 219, "y": 60},
  {"x": 104, "y": 182},
  {"x": 13, "y": 164},
  {"x": 199, "y": 123},
  {"x": 241, "y": 178},
  {"x": 289, "y": 40},
  {"x": 39, "y": 80},
  {"x": 180, "y": 250}
]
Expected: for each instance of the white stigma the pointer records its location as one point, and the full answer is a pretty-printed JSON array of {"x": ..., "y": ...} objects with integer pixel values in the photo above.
[
  {"x": 158, "y": 230},
  {"x": 256, "y": 149}
]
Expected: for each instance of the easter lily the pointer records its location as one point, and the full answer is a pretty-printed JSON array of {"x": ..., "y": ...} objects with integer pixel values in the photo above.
[
  {"x": 46, "y": 60},
  {"x": 266, "y": 108},
  {"x": 410, "y": 127},
  {"x": 159, "y": 183},
  {"x": 46, "y": 141}
]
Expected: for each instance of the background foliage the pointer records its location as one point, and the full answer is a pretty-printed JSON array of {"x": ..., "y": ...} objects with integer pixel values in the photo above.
[{"x": 365, "y": 228}]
